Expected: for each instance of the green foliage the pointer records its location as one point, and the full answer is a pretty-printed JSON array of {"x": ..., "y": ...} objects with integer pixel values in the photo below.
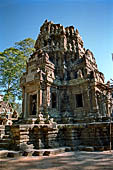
[
  {"x": 12, "y": 65},
  {"x": 26, "y": 46}
]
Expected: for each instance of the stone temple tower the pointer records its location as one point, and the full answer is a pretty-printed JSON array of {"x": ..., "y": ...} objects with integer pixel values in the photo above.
[{"x": 62, "y": 78}]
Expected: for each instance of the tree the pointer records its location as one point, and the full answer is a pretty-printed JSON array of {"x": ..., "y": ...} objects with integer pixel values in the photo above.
[
  {"x": 12, "y": 65},
  {"x": 26, "y": 46}
]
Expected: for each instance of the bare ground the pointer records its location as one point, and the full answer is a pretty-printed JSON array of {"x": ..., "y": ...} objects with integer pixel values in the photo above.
[{"x": 65, "y": 161}]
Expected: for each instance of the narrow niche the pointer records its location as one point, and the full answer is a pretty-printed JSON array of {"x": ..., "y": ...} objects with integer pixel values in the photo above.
[
  {"x": 79, "y": 100},
  {"x": 53, "y": 97},
  {"x": 33, "y": 104}
]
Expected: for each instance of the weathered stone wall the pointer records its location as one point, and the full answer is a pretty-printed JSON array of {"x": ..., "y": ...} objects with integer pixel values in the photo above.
[
  {"x": 96, "y": 135},
  {"x": 37, "y": 136}
]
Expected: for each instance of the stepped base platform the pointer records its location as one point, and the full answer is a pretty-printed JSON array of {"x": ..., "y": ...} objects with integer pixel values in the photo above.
[
  {"x": 82, "y": 136},
  {"x": 34, "y": 152}
]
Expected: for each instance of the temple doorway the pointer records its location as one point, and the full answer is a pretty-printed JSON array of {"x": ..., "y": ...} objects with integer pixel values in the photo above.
[{"x": 33, "y": 104}]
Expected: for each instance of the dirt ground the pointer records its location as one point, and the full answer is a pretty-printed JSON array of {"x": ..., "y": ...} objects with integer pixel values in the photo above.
[{"x": 65, "y": 161}]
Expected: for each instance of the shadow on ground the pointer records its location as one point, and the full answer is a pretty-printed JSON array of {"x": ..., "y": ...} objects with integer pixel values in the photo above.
[{"x": 65, "y": 161}]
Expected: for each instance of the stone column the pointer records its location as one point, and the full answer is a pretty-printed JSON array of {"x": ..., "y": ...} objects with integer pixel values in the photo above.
[
  {"x": 28, "y": 102},
  {"x": 37, "y": 105},
  {"x": 70, "y": 137},
  {"x": 38, "y": 100},
  {"x": 88, "y": 99},
  {"x": 57, "y": 99},
  {"x": 95, "y": 101},
  {"x": 51, "y": 138},
  {"x": 25, "y": 105},
  {"x": 48, "y": 96},
  {"x": 108, "y": 103},
  {"x": 41, "y": 99},
  {"x": 23, "y": 101}
]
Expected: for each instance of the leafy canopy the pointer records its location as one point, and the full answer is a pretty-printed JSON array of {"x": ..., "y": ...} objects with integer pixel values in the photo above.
[{"x": 12, "y": 65}]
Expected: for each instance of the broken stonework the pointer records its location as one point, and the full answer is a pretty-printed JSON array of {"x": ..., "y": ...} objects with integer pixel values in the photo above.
[{"x": 7, "y": 113}]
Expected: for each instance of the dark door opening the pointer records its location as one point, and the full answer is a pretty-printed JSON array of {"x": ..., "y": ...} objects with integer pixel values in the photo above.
[
  {"x": 33, "y": 99},
  {"x": 53, "y": 100},
  {"x": 79, "y": 102}
]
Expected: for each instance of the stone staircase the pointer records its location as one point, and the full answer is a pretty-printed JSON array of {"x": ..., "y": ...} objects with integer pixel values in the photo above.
[
  {"x": 4, "y": 142},
  {"x": 2, "y": 131},
  {"x": 4, "y": 137}
]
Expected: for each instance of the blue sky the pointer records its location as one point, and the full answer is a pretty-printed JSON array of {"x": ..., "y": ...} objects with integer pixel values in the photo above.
[{"x": 20, "y": 19}]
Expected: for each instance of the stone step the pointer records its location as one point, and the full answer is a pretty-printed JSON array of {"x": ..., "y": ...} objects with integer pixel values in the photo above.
[
  {"x": 24, "y": 146},
  {"x": 46, "y": 152},
  {"x": 99, "y": 148},
  {"x": 2, "y": 130},
  {"x": 5, "y": 136},
  {"x": 93, "y": 148},
  {"x": 33, "y": 152},
  {"x": 3, "y": 153},
  {"x": 2, "y": 127},
  {"x": 4, "y": 145},
  {"x": 86, "y": 148},
  {"x": 7, "y": 153},
  {"x": 5, "y": 140},
  {"x": 7, "y": 133},
  {"x": 13, "y": 154}
]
